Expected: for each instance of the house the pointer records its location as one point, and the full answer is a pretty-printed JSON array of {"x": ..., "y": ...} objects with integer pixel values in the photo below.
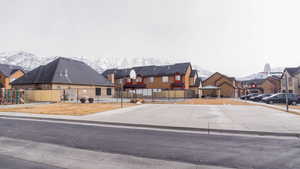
[
  {"x": 196, "y": 83},
  {"x": 67, "y": 75},
  {"x": 220, "y": 85},
  {"x": 292, "y": 76},
  {"x": 9, "y": 73},
  {"x": 267, "y": 85},
  {"x": 175, "y": 76}
]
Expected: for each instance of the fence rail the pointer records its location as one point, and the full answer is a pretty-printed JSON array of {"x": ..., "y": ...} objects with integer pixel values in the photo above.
[{"x": 10, "y": 96}]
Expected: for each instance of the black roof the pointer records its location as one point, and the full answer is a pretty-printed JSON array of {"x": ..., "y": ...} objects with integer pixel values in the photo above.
[
  {"x": 197, "y": 82},
  {"x": 293, "y": 70},
  {"x": 253, "y": 81},
  {"x": 8, "y": 70},
  {"x": 63, "y": 71},
  {"x": 193, "y": 73},
  {"x": 152, "y": 70}
]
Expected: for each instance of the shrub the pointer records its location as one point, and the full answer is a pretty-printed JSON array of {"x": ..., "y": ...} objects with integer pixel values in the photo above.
[
  {"x": 83, "y": 100},
  {"x": 91, "y": 100}
]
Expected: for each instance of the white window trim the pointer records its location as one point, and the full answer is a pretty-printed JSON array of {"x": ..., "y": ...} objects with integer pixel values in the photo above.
[
  {"x": 165, "y": 79},
  {"x": 151, "y": 79}
]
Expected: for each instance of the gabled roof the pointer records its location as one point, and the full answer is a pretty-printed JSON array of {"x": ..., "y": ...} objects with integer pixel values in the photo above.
[
  {"x": 152, "y": 70},
  {"x": 197, "y": 82},
  {"x": 229, "y": 78},
  {"x": 193, "y": 73},
  {"x": 8, "y": 70},
  {"x": 64, "y": 71},
  {"x": 292, "y": 70}
]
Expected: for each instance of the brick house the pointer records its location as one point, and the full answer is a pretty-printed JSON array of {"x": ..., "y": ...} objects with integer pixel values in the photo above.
[
  {"x": 176, "y": 76},
  {"x": 268, "y": 85},
  {"x": 9, "y": 73},
  {"x": 196, "y": 83},
  {"x": 219, "y": 84},
  {"x": 66, "y": 74},
  {"x": 293, "y": 78}
]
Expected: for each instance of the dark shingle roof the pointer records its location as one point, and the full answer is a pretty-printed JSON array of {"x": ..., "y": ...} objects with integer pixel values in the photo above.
[
  {"x": 150, "y": 70},
  {"x": 197, "y": 82},
  {"x": 253, "y": 81},
  {"x": 8, "y": 70},
  {"x": 193, "y": 73},
  {"x": 293, "y": 70},
  {"x": 64, "y": 71}
]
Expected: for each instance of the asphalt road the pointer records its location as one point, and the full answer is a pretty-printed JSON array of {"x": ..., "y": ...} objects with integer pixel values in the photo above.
[
  {"x": 218, "y": 150},
  {"x": 7, "y": 162}
]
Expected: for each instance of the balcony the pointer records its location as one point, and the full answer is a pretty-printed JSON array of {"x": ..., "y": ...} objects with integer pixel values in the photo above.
[
  {"x": 134, "y": 86},
  {"x": 177, "y": 85}
]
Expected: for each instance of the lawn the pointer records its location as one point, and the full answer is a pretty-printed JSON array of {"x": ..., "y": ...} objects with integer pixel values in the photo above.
[
  {"x": 217, "y": 101},
  {"x": 66, "y": 108}
]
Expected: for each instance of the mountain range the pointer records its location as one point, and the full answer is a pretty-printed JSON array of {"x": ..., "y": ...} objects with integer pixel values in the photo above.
[{"x": 30, "y": 61}]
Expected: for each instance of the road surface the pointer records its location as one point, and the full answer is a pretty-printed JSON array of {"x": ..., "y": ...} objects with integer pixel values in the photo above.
[{"x": 192, "y": 148}]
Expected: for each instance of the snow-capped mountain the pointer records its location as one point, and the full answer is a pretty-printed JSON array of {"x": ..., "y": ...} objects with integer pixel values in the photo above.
[
  {"x": 262, "y": 75},
  {"x": 30, "y": 61}
]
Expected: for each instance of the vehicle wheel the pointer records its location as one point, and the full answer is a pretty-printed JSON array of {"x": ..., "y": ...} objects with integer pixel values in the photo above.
[
  {"x": 294, "y": 103},
  {"x": 270, "y": 102}
]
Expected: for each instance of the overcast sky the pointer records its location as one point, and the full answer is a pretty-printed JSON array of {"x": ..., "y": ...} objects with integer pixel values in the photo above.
[{"x": 235, "y": 37}]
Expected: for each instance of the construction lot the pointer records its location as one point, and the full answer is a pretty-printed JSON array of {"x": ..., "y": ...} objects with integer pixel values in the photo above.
[
  {"x": 224, "y": 114},
  {"x": 225, "y": 117}
]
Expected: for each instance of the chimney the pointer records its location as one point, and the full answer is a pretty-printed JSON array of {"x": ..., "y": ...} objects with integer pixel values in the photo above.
[{"x": 111, "y": 77}]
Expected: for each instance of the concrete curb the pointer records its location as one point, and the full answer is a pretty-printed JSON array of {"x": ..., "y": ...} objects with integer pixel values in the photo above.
[{"x": 222, "y": 131}]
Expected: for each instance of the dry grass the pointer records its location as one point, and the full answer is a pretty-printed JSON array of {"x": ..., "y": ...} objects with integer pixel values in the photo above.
[
  {"x": 215, "y": 102},
  {"x": 67, "y": 108}
]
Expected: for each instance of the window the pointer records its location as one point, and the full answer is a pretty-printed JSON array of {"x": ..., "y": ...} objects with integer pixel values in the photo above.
[
  {"x": 98, "y": 91},
  {"x": 165, "y": 79},
  {"x": 177, "y": 77},
  {"x": 151, "y": 79},
  {"x": 120, "y": 81},
  {"x": 108, "y": 91}
]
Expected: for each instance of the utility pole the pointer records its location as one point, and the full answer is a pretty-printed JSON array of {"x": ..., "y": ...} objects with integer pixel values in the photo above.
[{"x": 286, "y": 93}]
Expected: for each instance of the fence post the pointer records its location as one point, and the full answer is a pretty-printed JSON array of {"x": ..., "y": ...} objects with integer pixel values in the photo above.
[
  {"x": 121, "y": 98},
  {"x": 77, "y": 95},
  {"x": 152, "y": 95}
]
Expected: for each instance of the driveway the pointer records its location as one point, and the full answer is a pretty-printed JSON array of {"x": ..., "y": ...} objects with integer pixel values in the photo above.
[{"x": 249, "y": 118}]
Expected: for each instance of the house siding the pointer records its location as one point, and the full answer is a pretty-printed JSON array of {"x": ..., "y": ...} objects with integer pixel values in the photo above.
[
  {"x": 227, "y": 86},
  {"x": 5, "y": 81},
  {"x": 84, "y": 90}
]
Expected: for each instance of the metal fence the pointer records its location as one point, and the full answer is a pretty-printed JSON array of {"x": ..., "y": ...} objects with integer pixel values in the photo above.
[
  {"x": 154, "y": 95},
  {"x": 10, "y": 96}
]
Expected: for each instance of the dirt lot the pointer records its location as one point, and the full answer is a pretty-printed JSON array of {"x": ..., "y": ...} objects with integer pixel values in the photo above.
[
  {"x": 215, "y": 102},
  {"x": 66, "y": 108}
]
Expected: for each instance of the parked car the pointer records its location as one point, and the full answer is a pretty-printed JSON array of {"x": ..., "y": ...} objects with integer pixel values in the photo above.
[
  {"x": 258, "y": 98},
  {"x": 247, "y": 97},
  {"x": 281, "y": 98},
  {"x": 298, "y": 96}
]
